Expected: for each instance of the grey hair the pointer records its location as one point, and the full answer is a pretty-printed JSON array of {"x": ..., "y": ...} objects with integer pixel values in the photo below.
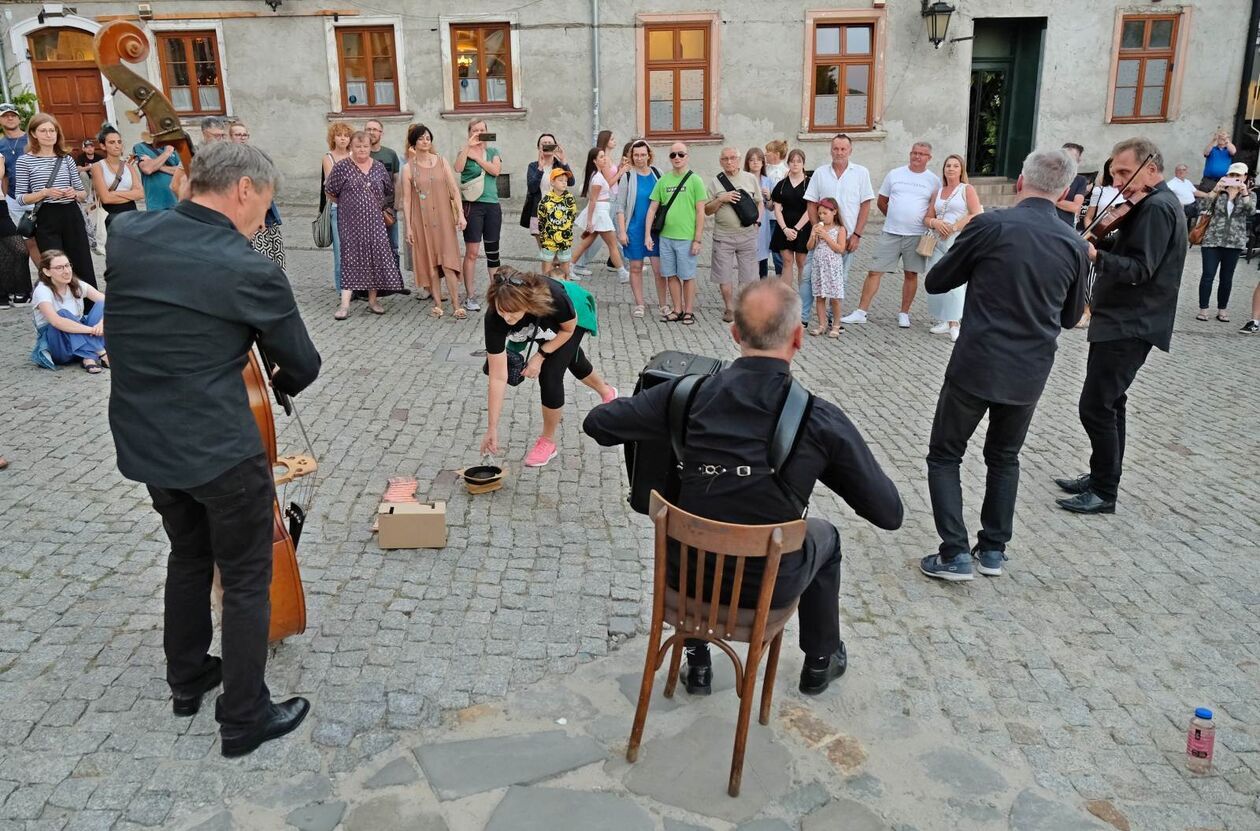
[
  {"x": 1141, "y": 148},
  {"x": 926, "y": 144},
  {"x": 1049, "y": 171},
  {"x": 359, "y": 135},
  {"x": 212, "y": 121},
  {"x": 219, "y": 165},
  {"x": 772, "y": 330}
]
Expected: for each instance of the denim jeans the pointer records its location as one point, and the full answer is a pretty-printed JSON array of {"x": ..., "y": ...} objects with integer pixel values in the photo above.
[
  {"x": 1227, "y": 260},
  {"x": 66, "y": 347}
]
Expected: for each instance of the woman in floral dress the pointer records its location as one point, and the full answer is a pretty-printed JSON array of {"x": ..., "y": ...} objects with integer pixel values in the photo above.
[{"x": 364, "y": 193}]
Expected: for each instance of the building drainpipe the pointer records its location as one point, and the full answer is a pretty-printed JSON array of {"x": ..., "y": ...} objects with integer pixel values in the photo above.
[
  {"x": 4, "y": 75},
  {"x": 595, "y": 68},
  {"x": 1249, "y": 63}
]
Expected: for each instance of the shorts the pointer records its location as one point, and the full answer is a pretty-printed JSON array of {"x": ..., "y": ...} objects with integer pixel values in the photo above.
[
  {"x": 555, "y": 256},
  {"x": 735, "y": 257},
  {"x": 677, "y": 259},
  {"x": 601, "y": 220},
  {"x": 485, "y": 221},
  {"x": 893, "y": 247}
]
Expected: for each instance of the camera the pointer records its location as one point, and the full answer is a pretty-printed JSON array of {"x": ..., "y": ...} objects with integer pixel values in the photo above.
[
  {"x": 487, "y": 137},
  {"x": 549, "y": 148}
]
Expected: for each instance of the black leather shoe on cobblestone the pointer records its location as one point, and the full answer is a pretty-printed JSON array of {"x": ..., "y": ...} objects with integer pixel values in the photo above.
[
  {"x": 815, "y": 681},
  {"x": 698, "y": 680},
  {"x": 281, "y": 719},
  {"x": 1077, "y": 484},
  {"x": 185, "y": 706},
  {"x": 1087, "y": 503}
]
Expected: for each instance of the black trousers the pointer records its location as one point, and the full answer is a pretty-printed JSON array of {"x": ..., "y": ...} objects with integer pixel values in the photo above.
[
  {"x": 225, "y": 522},
  {"x": 60, "y": 225},
  {"x": 958, "y": 413},
  {"x": 1111, "y": 368},
  {"x": 813, "y": 575},
  {"x": 569, "y": 357}
]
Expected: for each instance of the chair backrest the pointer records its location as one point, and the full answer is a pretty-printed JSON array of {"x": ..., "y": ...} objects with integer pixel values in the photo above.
[{"x": 700, "y": 540}]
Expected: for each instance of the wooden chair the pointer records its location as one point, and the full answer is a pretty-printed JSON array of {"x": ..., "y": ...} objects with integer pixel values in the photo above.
[{"x": 692, "y": 615}]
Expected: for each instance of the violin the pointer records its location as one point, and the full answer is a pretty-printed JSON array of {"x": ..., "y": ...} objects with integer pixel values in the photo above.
[
  {"x": 122, "y": 41},
  {"x": 1114, "y": 213}
]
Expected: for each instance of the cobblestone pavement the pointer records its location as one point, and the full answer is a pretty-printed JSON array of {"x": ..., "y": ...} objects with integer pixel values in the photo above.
[{"x": 1083, "y": 663}]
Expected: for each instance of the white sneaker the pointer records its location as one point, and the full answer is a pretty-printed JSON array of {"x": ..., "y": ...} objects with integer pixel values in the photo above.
[
  {"x": 623, "y": 275},
  {"x": 855, "y": 316},
  {"x": 940, "y": 328},
  {"x": 581, "y": 270},
  {"x": 471, "y": 305},
  {"x": 953, "y": 333},
  {"x": 903, "y": 320}
]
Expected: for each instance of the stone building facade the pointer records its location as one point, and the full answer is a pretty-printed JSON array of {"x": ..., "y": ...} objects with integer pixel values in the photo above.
[{"x": 1008, "y": 75}]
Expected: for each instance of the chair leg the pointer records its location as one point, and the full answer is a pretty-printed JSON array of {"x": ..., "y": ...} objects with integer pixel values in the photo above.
[
  {"x": 741, "y": 726},
  {"x": 767, "y": 686},
  {"x": 645, "y": 693},
  {"x": 675, "y": 660}
]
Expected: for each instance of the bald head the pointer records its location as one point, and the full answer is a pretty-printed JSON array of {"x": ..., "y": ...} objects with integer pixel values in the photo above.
[{"x": 768, "y": 319}]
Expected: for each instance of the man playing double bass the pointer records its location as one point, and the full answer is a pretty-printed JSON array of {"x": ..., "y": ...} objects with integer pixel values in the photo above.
[
  {"x": 187, "y": 300},
  {"x": 1134, "y": 301}
]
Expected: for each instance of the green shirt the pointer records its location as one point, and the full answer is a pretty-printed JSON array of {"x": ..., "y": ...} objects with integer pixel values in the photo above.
[
  {"x": 472, "y": 169},
  {"x": 680, "y": 222}
]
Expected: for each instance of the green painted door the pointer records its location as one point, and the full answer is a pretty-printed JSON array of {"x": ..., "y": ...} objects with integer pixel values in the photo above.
[{"x": 1005, "y": 75}]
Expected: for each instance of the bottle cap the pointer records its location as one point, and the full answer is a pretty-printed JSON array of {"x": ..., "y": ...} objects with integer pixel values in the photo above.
[{"x": 1203, "y": 712}]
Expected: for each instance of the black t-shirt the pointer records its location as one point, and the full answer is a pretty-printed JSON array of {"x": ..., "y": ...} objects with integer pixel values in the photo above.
[
  {"x": 530, "y": 327},
  {"x": 1078, "y": 187}
]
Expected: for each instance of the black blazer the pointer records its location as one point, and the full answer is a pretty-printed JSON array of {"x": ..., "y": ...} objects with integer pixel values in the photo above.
[{"x": 187, "y": 298}]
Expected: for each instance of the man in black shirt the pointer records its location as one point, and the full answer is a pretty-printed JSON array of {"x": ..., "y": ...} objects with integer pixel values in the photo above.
[
  {"x": 1134, "y": 302},
  {"x": 731, "y": 420},
  {"x": 1069, "y": 204},
  {"x": 187, "y": 300},
  {"x": 1025, "y": 274}
]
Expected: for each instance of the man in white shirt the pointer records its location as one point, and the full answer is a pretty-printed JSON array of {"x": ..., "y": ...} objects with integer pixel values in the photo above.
[
  {"x": 849, "y": 184},
  {"x": 1187, "y": 194},
  {"x": 903, "y": 199}
]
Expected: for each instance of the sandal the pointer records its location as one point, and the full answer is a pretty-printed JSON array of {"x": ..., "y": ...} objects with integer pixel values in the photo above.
[
  {"x": 104, "y": 359},
  {"x": 341, "y": 314},
  {"x": 1202, "y": 315},
  {"x": 664, "y": 310},
  {"x": 638, "y": 311},
  {"x": 816, "y": 330},
  {"x": 835, "y": 331},
  {"x": 91, "y": 367},
  {"x": 376, "y": 310},
  {"x": 459, "y": 313},
  {"x": 436, "y": 311},
  {"x": 687, "y": 319},
  {"x": 671, "y": 317},
  {"x": 1222, "y": 316}
]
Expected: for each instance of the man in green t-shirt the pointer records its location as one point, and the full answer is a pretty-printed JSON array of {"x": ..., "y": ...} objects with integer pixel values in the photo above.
[
  {"x": 477, "y": 159},
  {"x": 682, "y": 196}
]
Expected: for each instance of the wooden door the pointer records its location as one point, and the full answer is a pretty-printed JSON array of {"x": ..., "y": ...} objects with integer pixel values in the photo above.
[{"x": 73, "y": 95}]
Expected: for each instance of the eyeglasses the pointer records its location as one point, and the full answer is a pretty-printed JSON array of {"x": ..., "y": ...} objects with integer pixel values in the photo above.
[
  {"x": 510, "y": 279},
  {"x": 62, "y": 267},
  {"x": 240, "y": 135},
  {"x": 675, "y": 155}
]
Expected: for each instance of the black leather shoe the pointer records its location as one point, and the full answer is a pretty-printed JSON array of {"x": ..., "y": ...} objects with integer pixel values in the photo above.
[
  {"x": 1087, "y": 503},
  {"x": 698, "y": 680},
  {"x": 1078, "y": 484},
  {"x": 281, "y": 719},
  {"x": 815, "y": 681},
  {"x": 184, "y": 706}
]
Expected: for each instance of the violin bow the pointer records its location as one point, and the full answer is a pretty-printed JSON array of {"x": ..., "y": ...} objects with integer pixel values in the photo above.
[{"x": 1119, "y": 192}]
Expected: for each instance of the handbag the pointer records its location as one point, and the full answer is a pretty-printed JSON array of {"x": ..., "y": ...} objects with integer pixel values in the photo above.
[
  {"x": 745, "y": 207},
  {"x": 658, "y": 221},
  {"x": 1199, "y": 231},
  {"x": 322, "y": 228},
  {"x": 515, "y": 366},
  {"x": 29, "y": 221},
  {"x": 927, "y": 244}
]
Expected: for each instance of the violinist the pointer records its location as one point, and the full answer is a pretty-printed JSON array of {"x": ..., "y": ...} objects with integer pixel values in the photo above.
[
  {"x": 1134, "y": 302},
  {"x": 182, "y": 423}
]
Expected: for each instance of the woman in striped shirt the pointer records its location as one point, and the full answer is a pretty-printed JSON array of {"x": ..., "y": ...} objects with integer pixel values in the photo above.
[{"x": 60, "y": 222}]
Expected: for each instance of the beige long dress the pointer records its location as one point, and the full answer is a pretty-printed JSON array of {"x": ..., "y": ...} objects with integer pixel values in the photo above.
[{"x": 432, "y": 220}]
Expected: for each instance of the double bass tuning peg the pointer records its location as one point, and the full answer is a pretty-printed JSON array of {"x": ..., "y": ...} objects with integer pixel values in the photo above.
[{"x": 134, "y": 116}]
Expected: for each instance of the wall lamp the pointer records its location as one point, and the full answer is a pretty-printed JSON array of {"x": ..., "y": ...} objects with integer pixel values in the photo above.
[{"x": 936, "y": 15}]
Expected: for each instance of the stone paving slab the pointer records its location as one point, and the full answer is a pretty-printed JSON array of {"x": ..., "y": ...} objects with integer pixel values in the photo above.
[
  {"x": 457, "y": 769},
  {"x": 547, "y": 809}
]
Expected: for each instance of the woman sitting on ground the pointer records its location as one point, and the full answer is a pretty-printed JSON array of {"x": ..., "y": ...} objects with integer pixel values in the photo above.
[
  {"x": 65, "y": 334},
  {"x": 545, "y": 319}
]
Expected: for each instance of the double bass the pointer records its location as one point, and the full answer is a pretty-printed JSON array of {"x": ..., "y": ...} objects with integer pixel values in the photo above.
[{"x": 120, "y": 42}]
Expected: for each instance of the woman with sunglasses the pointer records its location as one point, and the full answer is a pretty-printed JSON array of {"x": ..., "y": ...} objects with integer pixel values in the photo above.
[{"x": 542, "y": 321}]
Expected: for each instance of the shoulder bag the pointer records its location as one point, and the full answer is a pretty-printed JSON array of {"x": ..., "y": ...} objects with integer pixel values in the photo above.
[
  {"x": 658, "y": 221},
  {"x": 745, "y": 207},
  {"x": 29, "y": 221},
  {"x": 321, "y": 228},
  {"x": 474, "y": 188},
  {"x": 929, "y": 239},
  {"x": 1199, "y": 231}
]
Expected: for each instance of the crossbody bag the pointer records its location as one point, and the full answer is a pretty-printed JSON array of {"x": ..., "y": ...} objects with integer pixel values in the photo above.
[{"x": 658, "y": 221}]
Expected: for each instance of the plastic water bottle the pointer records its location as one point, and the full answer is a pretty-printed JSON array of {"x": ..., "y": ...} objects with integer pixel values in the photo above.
[{"x": 1200, "y": 741}]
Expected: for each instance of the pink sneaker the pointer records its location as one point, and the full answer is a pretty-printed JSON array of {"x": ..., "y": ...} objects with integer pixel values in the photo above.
[
  {"x": 544, "y": 451},
  {"x": 612, "y": 394}
]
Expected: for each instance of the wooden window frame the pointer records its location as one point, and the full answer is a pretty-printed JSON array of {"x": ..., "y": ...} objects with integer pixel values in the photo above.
[
  {"x": 676, "y": 65},
  {"x": 482, "y": 105},
  {"x": 187, "y": 35},
  {"x": 844, "y": 61},
  {"x": 371, "y": 108},
  {"x": 1143, "y": 55}
]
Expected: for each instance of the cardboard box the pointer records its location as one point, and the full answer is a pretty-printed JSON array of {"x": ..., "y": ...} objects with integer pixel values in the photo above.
[{"x": 411, "y": 525}]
